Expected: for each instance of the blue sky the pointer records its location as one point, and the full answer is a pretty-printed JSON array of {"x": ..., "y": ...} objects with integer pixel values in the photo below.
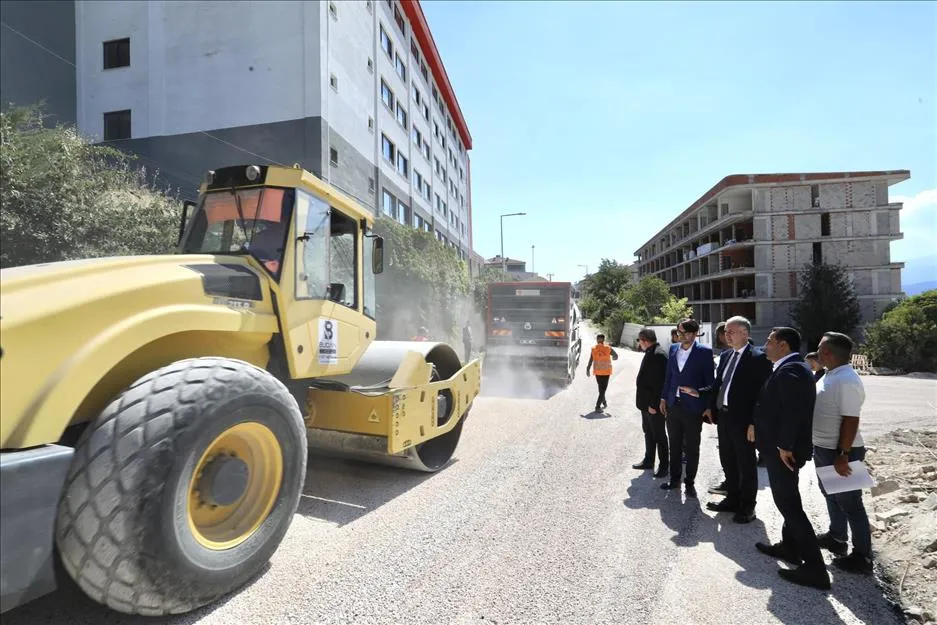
[{"x": 604, "y": 120}]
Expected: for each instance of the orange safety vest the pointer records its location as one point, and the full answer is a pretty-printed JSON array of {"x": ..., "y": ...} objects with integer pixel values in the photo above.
[{"x": 602, "y": 360}]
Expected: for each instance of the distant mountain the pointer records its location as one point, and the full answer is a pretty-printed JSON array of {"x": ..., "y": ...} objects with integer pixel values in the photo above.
[
  {"x": 919, "y": 287},
  {"x": 919, "y": 274}
]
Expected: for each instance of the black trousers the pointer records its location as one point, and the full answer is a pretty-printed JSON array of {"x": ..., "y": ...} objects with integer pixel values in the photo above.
[
  {"x": 655, "y": 437},
  {"x": 602, "y": 381},
  {"x": 685, "y": 429},
  {"x": 738, "y": 460},
  {"x": 796, "y": 532}
]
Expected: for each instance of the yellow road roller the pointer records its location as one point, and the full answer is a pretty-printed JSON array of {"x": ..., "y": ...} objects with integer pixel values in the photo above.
[{"x": 157, "y": 411}]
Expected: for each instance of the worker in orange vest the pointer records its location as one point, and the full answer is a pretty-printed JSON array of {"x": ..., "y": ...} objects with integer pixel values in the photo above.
[{"x": 600, "y": 361}]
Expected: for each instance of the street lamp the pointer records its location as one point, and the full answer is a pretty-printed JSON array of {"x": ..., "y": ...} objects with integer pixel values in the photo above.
[
  {"x": 586, "y": 267},
  {"x": 503, "y": 264},
  {"x": 532, "y": 266}
]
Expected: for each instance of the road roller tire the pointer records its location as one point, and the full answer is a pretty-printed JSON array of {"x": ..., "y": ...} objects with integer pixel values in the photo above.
[{"x": 183, "y": 487}]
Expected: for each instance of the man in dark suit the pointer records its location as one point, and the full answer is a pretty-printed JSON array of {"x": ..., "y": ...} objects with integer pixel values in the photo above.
[
  {"x": 649, "y": 383},
  {"x": 743, "y": 370},
  {"x": 783, "y": 431},
  {"x": 683, "y": 399}
]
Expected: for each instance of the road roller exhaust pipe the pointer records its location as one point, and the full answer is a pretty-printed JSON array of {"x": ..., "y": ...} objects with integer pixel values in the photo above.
[{"x": 403, "y": 405}]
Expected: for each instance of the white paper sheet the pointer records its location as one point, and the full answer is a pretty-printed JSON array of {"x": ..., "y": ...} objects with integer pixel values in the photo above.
[{"x": 834, "y": 483}]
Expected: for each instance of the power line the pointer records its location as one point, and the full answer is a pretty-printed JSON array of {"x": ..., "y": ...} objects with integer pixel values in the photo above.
[
  {"x": 36, "y": 43},
  {"x": 245, "y": 150}
]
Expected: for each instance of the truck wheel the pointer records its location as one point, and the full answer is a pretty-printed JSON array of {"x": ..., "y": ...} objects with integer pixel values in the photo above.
[{"x": 183, "y": 487}]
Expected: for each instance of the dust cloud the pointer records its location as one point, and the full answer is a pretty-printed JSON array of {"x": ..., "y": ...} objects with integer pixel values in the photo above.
[{"x": 517, "y": 383}]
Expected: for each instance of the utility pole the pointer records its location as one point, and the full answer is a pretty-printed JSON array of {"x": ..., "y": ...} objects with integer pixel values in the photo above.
[{"x": 549, "y": 277}]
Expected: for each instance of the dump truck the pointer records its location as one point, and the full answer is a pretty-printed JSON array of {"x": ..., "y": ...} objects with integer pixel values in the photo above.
[
  {"x": 157, "y": 411},
  {"x": 533, "y": 326}
]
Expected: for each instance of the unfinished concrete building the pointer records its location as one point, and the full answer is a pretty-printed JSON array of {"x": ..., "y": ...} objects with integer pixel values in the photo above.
[{"x": 739, "y": 249}]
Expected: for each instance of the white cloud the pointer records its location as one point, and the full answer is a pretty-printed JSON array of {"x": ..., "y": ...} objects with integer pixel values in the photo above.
[{"x": 925, "y": 198}]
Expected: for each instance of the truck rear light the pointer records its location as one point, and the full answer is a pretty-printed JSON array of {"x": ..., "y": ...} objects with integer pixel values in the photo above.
[{"x": 553, "y": 333}]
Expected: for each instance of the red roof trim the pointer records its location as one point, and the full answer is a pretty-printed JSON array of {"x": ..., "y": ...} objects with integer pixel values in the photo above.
[
  {"x": 414, "y": 13},
  {"x": 738, "y": 180}
]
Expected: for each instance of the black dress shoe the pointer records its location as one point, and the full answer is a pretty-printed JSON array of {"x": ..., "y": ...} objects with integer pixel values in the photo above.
[
  {"x": 744, "y": 517},
  {"x": 690, "y": 490},
  {"x": 815, "y": 578},
  {"x": 670, "y": 485},
  {"x": 722, "y": 506},
  {"x": 662, "y": 472},
  {"x": 781, "y": 552},
  {"x": 643, "y": 465}
]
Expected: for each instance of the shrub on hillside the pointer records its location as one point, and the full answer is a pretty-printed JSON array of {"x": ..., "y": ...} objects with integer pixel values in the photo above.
[
  {"x": 906, "y": 336},
  {"x": 64, "y": 198}
]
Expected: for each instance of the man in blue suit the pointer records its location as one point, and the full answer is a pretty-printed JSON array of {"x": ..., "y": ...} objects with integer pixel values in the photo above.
[{"x": 690, "y": 375}]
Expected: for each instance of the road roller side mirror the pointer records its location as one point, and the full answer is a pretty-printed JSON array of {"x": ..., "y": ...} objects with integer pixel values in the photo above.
[
  {"x": 377, "y": 255},
  {"x": 184, "y": 220}
]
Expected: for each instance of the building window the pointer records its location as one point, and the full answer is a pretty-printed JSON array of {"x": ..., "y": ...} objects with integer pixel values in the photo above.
[
  {"x": 426, "y": 150},
  {"x": 398, "y": 18},
  {"x": 417, "y": 136},
  {"x": 387, "y": 203},
  {"x": 333, "y": 157},
  {"x": 117, "y": 125},
  {"x": 424, "y": 71},
  {"x": 825, "y": 224},
  {"x": 817, "y": 253},
  {"x": 403, "y": 165},
  {"x": 386, "y": 43},
  {"x": 401, "y": 67},
  {"x": 402, "y": 213},
  {"x": 117, "y": 53},
  {"x": 387, "y": 96},
  {"x": 333, "y": 82},
  {"x": 401, "y": 115},
  {"x": 414, "y": 50},
  {"x": 425, "y": 111},
  {"x": 388, "y": 149},
  {"x": 370, "y": 185},
  {"x": 417, "y": 221},
  {"x": 416, "y": 95},
  {"x": 815, "y": 195},
  {"x": 333, "y": 12}
]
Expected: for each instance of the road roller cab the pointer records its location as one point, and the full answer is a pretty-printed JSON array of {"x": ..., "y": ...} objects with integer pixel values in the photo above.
[{"x": 157, "y": 411}]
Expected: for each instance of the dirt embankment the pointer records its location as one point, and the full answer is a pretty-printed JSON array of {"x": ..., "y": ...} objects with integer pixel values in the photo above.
[{"x": 903, "y": 513}]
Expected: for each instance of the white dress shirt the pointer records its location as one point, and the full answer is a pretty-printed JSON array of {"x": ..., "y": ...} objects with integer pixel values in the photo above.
[
  {"x": 728, "y": 383},
  {"x": 781, "y": 362}
]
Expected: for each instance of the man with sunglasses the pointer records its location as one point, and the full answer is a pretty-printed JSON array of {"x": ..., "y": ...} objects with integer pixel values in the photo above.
[{"x": 690, "y": 373}]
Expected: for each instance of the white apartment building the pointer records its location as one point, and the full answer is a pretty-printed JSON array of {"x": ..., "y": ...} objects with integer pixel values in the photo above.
[{"x": 353, "y": 90}]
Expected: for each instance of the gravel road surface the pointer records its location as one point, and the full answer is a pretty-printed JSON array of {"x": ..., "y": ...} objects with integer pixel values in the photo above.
[{"x": 539, "y": 519}]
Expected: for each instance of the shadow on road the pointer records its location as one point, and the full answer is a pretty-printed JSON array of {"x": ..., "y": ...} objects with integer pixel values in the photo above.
[
  {"x": 788, "y": 602},
  {"x": 340, "y": 491},
  {"x": 596, "y": 415}
]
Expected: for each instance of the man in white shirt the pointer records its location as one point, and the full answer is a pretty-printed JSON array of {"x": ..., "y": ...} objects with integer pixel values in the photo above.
[
  {"x": 837, "y": 442},
  {"x": 743, "y": 370}
]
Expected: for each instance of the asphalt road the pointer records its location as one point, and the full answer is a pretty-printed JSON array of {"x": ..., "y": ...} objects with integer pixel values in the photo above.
[{"x": 539, "y": 519}]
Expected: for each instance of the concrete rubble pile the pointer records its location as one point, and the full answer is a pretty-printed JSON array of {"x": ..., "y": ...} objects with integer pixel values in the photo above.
[{"x": 903, "y": 514}]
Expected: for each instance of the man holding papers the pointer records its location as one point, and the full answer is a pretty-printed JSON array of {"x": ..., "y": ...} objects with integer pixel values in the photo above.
[{"x": 837, "y": 442}]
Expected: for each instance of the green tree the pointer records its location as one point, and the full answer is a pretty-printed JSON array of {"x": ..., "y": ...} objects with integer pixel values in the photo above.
[
  {"x": 645, "y": 297},
  {"x": 64, "y": 198},
  {"x": 674, "y": 310},
  {"x": 424, "y": 284},
  {"x": 827, "y": 302},
  {"x": 906, "y": 336},
  {"x": 606, "y": 286}
]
